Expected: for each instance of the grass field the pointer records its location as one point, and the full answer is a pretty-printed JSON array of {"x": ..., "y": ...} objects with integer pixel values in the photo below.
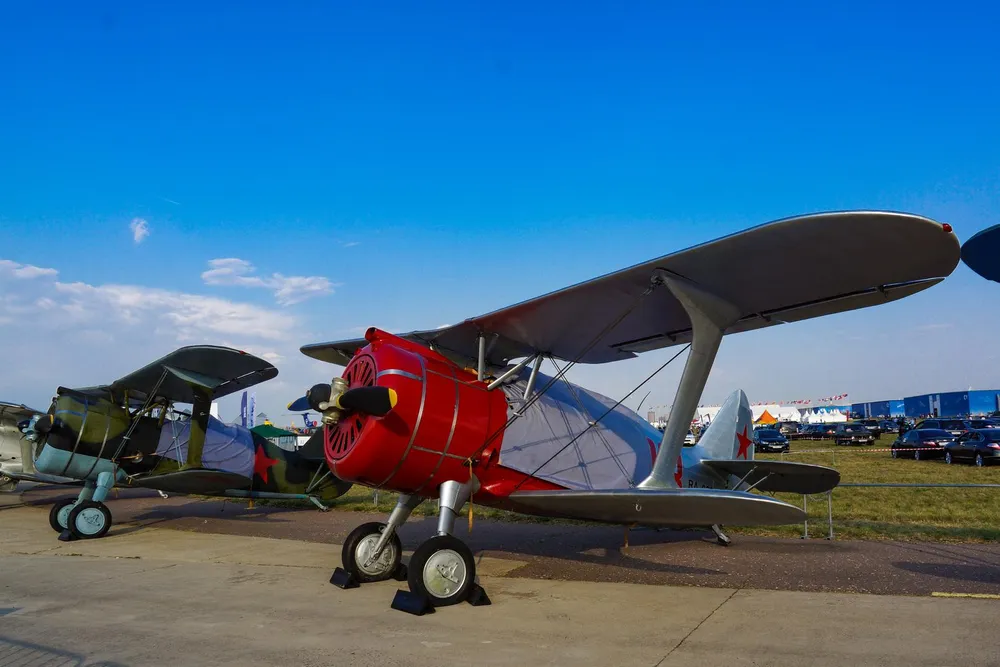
[{"x": 949, "y": 515}]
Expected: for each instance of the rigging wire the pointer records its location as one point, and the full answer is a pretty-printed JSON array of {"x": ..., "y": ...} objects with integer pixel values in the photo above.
[
  {"x": 528, "y": 476},
  {"x": 548, "y": 385}
]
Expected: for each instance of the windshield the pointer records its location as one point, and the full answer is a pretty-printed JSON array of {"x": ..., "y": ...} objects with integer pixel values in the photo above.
[
  {"x": 769, "y": 434},
  {"x": 953, "y": 424},
  {"x": 853, "y": 428},
  {"x": 935, "y": 434}
]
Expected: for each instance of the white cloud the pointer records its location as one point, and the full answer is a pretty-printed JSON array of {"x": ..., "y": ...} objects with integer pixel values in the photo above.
[
  {"x": 24, "y": 271},
  {"x": 351, "y": 244},
  {"x": 287, "y": 290},
  {"x": 78, "y": 334},
  {"x": 140, "y": 229}
]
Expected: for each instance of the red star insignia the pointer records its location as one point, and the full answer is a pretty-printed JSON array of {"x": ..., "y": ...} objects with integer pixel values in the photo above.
[
  {"x": 262, "y": 463},
  {"x": 652, "y": 449},
  {"x": 679, "y": 472},
  {"x": 744, "y": 444}
]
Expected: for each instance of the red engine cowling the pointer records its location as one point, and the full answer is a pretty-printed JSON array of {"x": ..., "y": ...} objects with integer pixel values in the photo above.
[{"x": 443, "y": 415}]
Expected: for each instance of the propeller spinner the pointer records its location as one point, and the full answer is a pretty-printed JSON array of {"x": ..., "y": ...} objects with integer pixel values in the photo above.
[{"x": 333, "y": 400}]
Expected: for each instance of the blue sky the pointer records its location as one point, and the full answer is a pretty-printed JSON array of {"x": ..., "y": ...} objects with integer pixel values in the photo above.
[{"x": 435, "y": 161}]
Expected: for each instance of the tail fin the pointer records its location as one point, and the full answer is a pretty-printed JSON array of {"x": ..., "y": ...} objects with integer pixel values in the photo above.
[{"x": 728, "y": 436}]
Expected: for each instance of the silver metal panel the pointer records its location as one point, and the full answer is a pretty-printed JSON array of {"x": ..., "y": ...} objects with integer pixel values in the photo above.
[
  {"x": 788, "y": 270},
  {"x": 659, "y": 507}
]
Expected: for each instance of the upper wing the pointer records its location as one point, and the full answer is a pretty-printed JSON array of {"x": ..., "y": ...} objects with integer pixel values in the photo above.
[
  {"x": 220, "y": 370},
  {"x": 980, "y": 253},
  {"x": 17, "y": 411},
  {"x": 658, "y": 507},
  {"x": 784, "y": 271}
]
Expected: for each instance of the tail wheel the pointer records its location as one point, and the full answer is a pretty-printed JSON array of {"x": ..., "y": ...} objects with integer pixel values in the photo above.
[
  {"x": 89, "y": 519},
  {"x": 358, "y": 548},
  {"x": 59, "y": 514},
  {"x": 442, "y": 570}
]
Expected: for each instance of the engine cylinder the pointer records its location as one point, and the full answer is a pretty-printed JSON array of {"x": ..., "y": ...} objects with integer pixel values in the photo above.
[{"x": 443, "y": 415}]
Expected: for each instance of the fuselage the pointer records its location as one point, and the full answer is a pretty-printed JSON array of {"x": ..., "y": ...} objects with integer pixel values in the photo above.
[
  {"x": 90, "y": 435},
  {"x": 448, "y": 426}
]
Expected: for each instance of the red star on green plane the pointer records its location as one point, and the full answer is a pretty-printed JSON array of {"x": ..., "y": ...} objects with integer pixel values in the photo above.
[{"x": 262, "y": 463}]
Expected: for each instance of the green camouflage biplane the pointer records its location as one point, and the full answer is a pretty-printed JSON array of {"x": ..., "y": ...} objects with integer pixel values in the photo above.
[{"x": 131, "y": 434}]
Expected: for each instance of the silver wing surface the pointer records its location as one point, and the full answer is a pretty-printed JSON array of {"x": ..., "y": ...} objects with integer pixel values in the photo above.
[
  {"x": 658, "y": 507},
  {"x": 779, "y": 476},
  {"x": 789, "y": 270}
]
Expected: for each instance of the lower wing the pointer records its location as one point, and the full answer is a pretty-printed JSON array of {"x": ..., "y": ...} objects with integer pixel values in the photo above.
[{"x": 658, "y": 507}]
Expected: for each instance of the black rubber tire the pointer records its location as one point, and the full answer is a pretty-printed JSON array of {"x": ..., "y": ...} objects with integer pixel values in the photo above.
[
  {"x": 54, "y": 513},
  {"x": 84, "y": 505},
  {"x": 415, "y": 577},
  {"x": 348, "y": 553}
]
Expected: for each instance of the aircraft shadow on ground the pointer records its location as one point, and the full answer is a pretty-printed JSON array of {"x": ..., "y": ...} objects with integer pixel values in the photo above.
[
  {"x": 17, "y": 652},
  {"x": 589, "y": 544},
  {"x": 983, "y": 574}
]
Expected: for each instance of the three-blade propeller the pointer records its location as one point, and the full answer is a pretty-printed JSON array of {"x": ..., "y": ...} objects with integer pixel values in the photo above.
[{"x": 375, "y": 401}]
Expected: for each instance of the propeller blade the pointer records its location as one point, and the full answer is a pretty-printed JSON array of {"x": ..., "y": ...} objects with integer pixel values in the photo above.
[
  {"x": 300, "y": 404},
  {"x": 375, "y": 401}
]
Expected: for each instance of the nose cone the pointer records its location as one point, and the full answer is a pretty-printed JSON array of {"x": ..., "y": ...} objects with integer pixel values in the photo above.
[{"x": 45, "y": 424}]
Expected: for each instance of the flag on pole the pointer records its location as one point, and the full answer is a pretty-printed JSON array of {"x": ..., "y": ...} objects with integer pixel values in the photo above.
[
  {"x": 253, "y": 401},
  {"x": 243, "y": 412}
]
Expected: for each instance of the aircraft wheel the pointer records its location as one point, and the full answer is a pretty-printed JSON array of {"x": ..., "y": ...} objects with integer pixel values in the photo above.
[
  {"x": 89, "y": 519},
  {"x": 443, "y": 570},
  {"x": 358, "y": 547},
  {"x": 59, "y": 514}
]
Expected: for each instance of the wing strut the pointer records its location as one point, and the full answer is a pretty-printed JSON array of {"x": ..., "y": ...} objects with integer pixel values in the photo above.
[{"x": 710, "y": 316}]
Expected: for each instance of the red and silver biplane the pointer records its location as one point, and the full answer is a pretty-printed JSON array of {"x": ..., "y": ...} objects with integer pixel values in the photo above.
[{"x": 444, "y": 414}]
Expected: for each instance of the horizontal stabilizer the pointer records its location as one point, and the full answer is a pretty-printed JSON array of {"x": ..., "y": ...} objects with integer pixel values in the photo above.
[
  {"x": 199, "y": 480},
  {"x": 658, "y": 507},
  {"x": 779, "y": 476}
]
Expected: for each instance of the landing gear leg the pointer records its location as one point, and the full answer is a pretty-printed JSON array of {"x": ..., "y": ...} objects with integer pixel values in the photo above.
[
  {"x": 720, "y": 536},
  {"x": 442, "y": 569},
  {"x": 372, "y": 552}
]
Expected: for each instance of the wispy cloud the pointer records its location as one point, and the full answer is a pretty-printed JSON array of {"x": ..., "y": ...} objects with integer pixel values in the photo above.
[
  {"x": 140, "y": 229},
  {"x": 351, "y": 244},
  {"x": 287, "y": 290},
  {"x": 171, "y": 201},
  {"x": 24, "y": 271},
  {"x": 935, "y": 326}
]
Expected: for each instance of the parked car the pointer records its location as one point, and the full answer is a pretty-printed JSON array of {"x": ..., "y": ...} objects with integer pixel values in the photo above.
[
  {"x": 787, "y": 429},
  {"x": 873, "y": 426},
  {"x": 769, "y": 440},
  {"x": 817, "y": 431},
  {"x": 954, "y": 426},
  {"x": 888, "y": 426},
  {"x": 922, "y": 443},
  {"x": 980, "y": 446},
  {"x": 983, "y": 423},
  {"x": 852, "y": 433}
]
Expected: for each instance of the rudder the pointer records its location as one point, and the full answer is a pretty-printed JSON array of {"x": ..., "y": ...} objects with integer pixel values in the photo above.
[{"x": 728, "y": 436}]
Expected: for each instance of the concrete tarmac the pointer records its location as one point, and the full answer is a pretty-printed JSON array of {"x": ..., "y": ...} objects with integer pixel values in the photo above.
[{"x": 156, "y": 596}]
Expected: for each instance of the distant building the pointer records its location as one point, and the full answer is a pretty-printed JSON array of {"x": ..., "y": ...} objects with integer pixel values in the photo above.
[
  {"x": 260, "y": 419},
  {"x": 651, "y": 416}
]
